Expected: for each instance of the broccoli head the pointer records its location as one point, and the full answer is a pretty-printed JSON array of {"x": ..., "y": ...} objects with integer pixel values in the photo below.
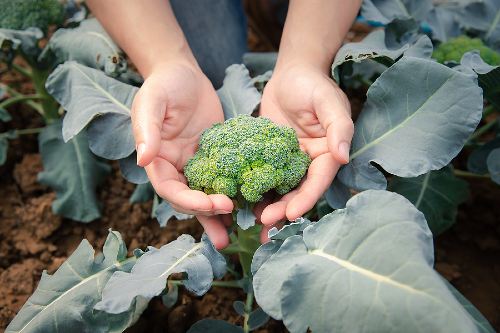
[
  {"x": 23, "y": 14},
  {"x": 455, "y": 48},
  {"x": 247, "y": 155}
]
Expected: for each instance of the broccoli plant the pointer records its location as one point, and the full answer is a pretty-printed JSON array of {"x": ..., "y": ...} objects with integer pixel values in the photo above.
[
  {"x": 365, "y": 264},
  {"x": 23, "y": 14},
  {"x": 455, "y": 48},
  {"x": 71, "y": 169}
]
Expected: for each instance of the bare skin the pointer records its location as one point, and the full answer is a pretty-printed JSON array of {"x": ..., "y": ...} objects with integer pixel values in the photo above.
[{"x": 177, "y": 102}]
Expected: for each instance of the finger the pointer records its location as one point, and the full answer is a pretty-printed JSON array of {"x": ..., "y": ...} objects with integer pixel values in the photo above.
[
  {"x": 260, "y": 206},
  {"x": 165, "y": 180},
  {"x": 264, "y": 233},
  {"x": 215, "y": 229},
  {"x": 221, "y": 204},
  {"x": 148, "y": 112},
  {"x": 334, "y": 114},
  {"x": 319, "y": 177},
  {"x": 274, "y": 213}
]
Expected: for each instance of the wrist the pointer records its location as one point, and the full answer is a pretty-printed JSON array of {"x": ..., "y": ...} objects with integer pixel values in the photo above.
[{"x": 158, "y": 58}]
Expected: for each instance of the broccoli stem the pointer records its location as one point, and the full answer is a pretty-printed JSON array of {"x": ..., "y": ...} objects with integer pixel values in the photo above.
[
  {"x": 49, "y": 105},
  {"x": 249, "y": 242},
  {"x": 248, "y": 311}
]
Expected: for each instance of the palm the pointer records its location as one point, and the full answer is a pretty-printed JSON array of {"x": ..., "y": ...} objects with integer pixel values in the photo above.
[
  {"x": 170, "y": 111},
  {"x": 318, "y": 110}
]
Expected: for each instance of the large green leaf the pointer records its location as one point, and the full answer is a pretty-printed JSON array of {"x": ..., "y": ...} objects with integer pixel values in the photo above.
[
  {"x": 64, "y": 302},
  {"x": 417, "y": 117},
  {"x": 437, "y": 194},
  {"x": 89, "y": 45},
  {"x": 477, "y": 161},
  {"x": 488, "y": 76},
  {"x": 384, "y": 11},
  {"x": 24, "y": 40},
  {"x": 164, "y": 212},
  {"x": 493, "y": 163},
  {"x": 86, "y": 93},
  {"x": 73, "y": 172},
  {"x": 148, "y": 278},
  {"x": 482, "y": 323},
  {"x": 361, "y": 269},
  {"x": 374, "y": 46},
  {"x": 238, "y": 94},
  {"x": 483, "y": 18}
]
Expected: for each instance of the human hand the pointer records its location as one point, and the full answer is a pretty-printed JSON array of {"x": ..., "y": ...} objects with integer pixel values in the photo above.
[
  {"x": 170, "y": 111},
  {"x": 306, "y": 99}
]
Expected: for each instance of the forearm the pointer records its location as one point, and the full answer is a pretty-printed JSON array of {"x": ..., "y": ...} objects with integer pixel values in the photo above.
[
  {"x": 314, "y": 31},
  {"x": 146, "y": 30}
]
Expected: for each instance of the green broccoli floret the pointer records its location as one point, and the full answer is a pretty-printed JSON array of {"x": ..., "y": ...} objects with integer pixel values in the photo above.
[
  {"x": 23, "y": 14},
  {"x": 247, "y": 155},
  {"x": 455, "y": 48}
]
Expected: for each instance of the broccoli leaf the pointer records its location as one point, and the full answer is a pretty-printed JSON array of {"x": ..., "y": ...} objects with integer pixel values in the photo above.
[
  {"x": 483, "y": 17},
  {"x": 384, "y": 11},
  {"x": 64, "y": 301},
  {"x": 482, "y": 323},
  {"x": 488, "y": 76},
  {"x": 477, "y": 161},
  {"x": 493, "y": 163},
  {"x": 437, "y": 194},
  {"x": 238, "y": 94},
  {"x": 86, "y": 93},
  {"x": 142, "y": 193},
  {"x": 337, "y": 194},
  {"x": 370, "y": 264},
  {"x": 25, "y": 40},
  {"x": 149, "y": 275},
  {"x": 131, "y": 171},
  {"x": 257, "y": 318},
  {"x": 443, "y": 22},
  {"x": 245, "y": 217},
  {"x": 164, "y": 212},
  {"x": 259, "y": 63},
  {"x": 374, "y": 46},
  {"x": 265, "y": 251},
  {"x": 417, "y": 117},
  {"x": 4, "y": 148},
  {"x": 214, "y": 326},
  {"x": 89, "y": 45},
  {"x": 73, "y": 172}
]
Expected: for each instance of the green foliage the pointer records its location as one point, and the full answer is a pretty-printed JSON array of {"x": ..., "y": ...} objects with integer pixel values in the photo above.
[
  {"x": 23, "y": 14},
  {"x": 455, "y": 48},
  {"x": 247, "y": 155},
  {"x": 73, "y": 172}
]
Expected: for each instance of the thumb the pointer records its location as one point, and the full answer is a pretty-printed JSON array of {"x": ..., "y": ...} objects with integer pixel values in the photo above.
[
  {"x": 148, "y": 112},
  {"x": 334, "y": 113}
]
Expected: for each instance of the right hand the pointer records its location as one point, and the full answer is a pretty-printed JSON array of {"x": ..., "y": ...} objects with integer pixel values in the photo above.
[{"x": 169, "y": 113}]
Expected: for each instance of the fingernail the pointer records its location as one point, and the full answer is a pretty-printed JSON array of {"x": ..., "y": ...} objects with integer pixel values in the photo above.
[
  {"x": 344, "y": 150},
  {"x": 140, "y": 151},
  {"x": 219, "y": 212}
]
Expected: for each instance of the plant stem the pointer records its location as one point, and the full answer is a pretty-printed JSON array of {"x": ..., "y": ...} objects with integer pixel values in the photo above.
[
  {"x": 248, "y": 311},
  {"x": 488, "y": 110},
  {"x": 49, "y": 104},
  {"x": 463, "y": 173},
  {"x": 29, "y": 131},
  {"x": 34, "y": 105},
  {"x": 19, "y": 98},
  {"x": 481, "y": 130},
  {"x": 22, "y": 70}
]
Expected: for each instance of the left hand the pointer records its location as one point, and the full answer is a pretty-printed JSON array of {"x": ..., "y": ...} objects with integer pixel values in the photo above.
[{"x": 305, "y": 98}]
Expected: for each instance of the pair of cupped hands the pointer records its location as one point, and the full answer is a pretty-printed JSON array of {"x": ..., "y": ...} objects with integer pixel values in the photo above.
[{"x": 177, "y": 102}]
